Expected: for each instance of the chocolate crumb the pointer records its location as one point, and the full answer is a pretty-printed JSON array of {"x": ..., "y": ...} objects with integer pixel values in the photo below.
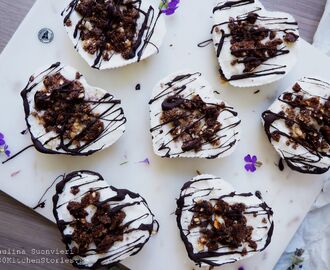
[
  {"x": 108, "y": 27},
  {"x": 256, "y": 92},
  {"x": 296, "y": 87},
  {"x": 138, "y": 87},
  {"x": 193, "y": 121},
  {"x": 68, "y": 23},
  {"x": 222, "y": 224},
  {"x": 252, "y": 44},
  {"x": 104, "y": 229},
  {"x": 61, "y": 108}
]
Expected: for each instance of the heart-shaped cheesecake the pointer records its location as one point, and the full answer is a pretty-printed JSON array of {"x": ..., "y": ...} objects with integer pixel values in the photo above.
[
  {"x": 187, "y": 120},
  {"x": 220, "y": 226},
  {"x": 100, "y": 225},
  {"x": 110, "y": 34},
  {"x": 254, "y": 46},
  {"x": 65, "y": 115},
  {"x": 298, "y": 126}
]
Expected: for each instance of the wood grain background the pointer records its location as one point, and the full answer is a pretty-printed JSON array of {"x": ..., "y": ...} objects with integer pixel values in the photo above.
[{"x": 20, "y": 227}]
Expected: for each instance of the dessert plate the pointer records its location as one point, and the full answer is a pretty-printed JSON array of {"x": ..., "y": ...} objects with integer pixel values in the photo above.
[{"x": 28, "y": 176}]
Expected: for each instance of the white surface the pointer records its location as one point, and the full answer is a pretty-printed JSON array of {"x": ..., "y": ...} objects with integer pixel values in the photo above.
[
  {"x": 313, "y": 236},
  {"x": 290, "y": 194}
]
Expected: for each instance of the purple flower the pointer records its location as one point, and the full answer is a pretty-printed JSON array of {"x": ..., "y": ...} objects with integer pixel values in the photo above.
[
  {"x": 241, "y": 268},
  {"x": 3, "y": 146},
  {"x": 251, "y": 163},
  {"x": 169, "y": 7},
  {"x": 7, "y": 152},
  {"x": 145, "y": 161}
]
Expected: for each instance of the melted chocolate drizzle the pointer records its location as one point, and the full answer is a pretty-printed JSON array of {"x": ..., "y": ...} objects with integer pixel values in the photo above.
[
  {"x": 305, "y": 162},
  {"x": 112, "y": 116},
  {"x": 131, "y": 248},
  {"x": 144, "y": 35},
  {"x": 276, "y": 69},
  {"x": 205, "y": 257},
  {"x": 172, "y": 89}
]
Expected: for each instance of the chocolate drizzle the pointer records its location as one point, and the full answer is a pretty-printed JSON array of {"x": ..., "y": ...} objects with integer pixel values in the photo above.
[
  {"x": 122, "y": 200},
  {"x": 177, "y": 92},
  {"x": 231, "y": 4},
  {"x": 303, "y": 140},
  {"x": 251, "y": 44},
  {"x": 106, "y": 111},
  {"x": 192, "y": 194},
  {"x": 148, "y": 18}
]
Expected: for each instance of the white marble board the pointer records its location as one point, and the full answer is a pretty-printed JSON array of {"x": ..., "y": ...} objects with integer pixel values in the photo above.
[{"x": 290, "y": 194}]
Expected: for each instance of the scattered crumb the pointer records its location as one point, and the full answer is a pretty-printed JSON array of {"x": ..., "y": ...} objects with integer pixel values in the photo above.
[{"x": 256, "y": 92}]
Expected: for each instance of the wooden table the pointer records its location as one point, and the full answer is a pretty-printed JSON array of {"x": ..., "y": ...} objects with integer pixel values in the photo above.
[{"x": 20, "y": 227}]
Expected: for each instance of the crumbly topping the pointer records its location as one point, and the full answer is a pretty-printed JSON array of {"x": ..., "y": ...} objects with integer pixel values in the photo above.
[
  {"x": 222, "y": 225},
  {"x": 108, "y": 26},
  {"x": 252, "y": 44},
  {"x": 307, "y": 118},
  {"x": 104, "y": 229},
  {"x": 193, "y": 121},
  {"x": 60, "y": 107}
]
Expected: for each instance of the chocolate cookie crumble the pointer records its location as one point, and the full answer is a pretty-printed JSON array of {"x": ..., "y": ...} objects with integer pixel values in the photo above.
[
  {"x": 107, "y": 27},
  {"x": 252, "y": 45},
  {"x": 61, "y": 107},
  {"x": 103, "y": 229},
  {"x": 308, "y": 121},
  {"x": 222, "y": 225},
  {"x": 192, "y": 121}
]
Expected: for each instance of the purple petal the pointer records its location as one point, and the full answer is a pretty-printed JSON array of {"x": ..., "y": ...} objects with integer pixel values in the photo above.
[
  {"x": 146, "y": 161},
  {"x": 172, "y": 5},
  {"x": 248, "y": 167},
  {"x": 254, "y": 159},
  {"x": 241, "y": 268},
  {"x": 248, "y": 158},
  {"x": 253, "y": 168},
  {"x": 2, "y": 142},
  {"x": 1, "y": 136},
  {"x": 7, "y": 152},
  {"x": 169, "y": 11}
]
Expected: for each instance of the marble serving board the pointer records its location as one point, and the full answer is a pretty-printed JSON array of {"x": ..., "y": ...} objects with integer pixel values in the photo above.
[{"x": 28, "y": 176}]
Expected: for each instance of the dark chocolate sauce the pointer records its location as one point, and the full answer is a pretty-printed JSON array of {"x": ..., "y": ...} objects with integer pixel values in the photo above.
[
  {"x": 113, "y": 116},
  {"x": 281, "y": 165},
  {"x": 306, "y": 162},
  {"x": 133, "y": 247},
  {"x": 144, "y": 34},
  {"x": 172, "y": 89},
  {"x": 205, "y": 43},
  {"x": 204, "y": 257},
  {"x": 275, "y": 70},
  {"x": 42, "y": 203}
]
